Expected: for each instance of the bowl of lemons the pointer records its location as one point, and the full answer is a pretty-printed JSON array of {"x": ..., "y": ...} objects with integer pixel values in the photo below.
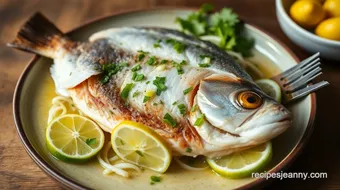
[{"x": 312, "y": 24}]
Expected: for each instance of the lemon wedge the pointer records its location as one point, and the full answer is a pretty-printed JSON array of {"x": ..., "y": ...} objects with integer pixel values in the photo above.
[
  {"x": 74, "y": 138},
  {"x": 244, "y": 163},
  {"x": 137, "y": 144}
]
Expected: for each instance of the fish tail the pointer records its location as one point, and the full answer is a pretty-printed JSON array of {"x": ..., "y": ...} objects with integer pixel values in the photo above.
[{"x": 38, "y": 35}]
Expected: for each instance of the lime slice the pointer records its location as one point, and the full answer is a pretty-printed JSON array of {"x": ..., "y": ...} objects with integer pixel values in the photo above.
[
  {"x": 244, "y": 163},
  {"x": 271, "y": 88},
  {"x": 137, "y": 144},
  {"x": 74, "y": 138}
]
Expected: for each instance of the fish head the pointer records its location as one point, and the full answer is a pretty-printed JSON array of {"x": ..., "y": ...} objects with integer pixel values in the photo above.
[{"x": 240, "y": 108}]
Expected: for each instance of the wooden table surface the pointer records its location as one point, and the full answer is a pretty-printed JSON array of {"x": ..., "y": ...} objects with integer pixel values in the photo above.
[{"x": 18, "y": 171}]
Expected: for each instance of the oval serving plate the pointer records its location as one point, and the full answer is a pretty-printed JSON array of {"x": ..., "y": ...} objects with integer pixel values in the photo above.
[{"x": 32, "y": 99}]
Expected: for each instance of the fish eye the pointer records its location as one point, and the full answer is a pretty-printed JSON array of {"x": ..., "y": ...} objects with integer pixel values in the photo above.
[{"x": 249, "y": 100}]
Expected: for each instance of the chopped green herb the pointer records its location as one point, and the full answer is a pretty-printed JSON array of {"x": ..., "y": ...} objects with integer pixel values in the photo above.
[
  {"x": 147, "y": 82},
  {"x": 70, "y": 74},
  {"x": 135, "y": 94},
  {"x": 141, "y": 55},
  {"x": 155, "y": 178},
  {"x": 121, "y": 142},
  {"x": 179, "y": 69},
  {"x": 146, "y": 98},
  {"x": 136, "y": 68},
  {"x": 193, "y": 109},
  {"x": 111, "y": 69},
  {"x": 139, "y": 153},
  {"x": 188, "y": 150},
  {"x": 183, "y": 62},
  {"x": 186, "y": 91},
  {"x": 91, "y": 141},
  {"x": 155, "y": 104},
  {"x": 164, "y": 61},
  {"x": 161, "y": 102},
  {"x": 157, "y": 45},
  {"x": 178, "y": 46},
  {"x": 204, "y": 65},
  {"x": 199, "y": 121},
  {"x": 169, "y": 120},
  {"x": 152, "y": 60},
  {"x": 159, "y": 82},
  {"x": 137, "y": 77},
  {"x": 182, "y": 109},
  {"x": 175, "y": 102},
  {"x": 126, "y": 90}
]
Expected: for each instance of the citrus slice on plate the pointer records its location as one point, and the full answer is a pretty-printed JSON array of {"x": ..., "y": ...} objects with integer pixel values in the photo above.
[
  {"x": 244, "y": 163},
  {"x": 137, "y": 144},
  {"x": 192, "y": 163},
  {"x": 271, "y": 88},
  {"x": 74, "y": 138}
]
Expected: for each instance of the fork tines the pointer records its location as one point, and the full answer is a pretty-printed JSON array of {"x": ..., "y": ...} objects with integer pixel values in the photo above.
[{"x": 294, "y": 81}]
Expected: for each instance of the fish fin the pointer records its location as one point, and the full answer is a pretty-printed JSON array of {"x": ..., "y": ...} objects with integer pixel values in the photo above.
[{"x": 38, "y": 35}]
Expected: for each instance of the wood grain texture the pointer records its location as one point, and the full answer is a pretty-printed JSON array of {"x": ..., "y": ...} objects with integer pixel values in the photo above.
[{"x": 18, "y": 171}]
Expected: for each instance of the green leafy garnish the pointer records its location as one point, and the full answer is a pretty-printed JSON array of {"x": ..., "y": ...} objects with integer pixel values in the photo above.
[
  {"x": 137, "y": 67},
  {"x": 141, "y": 55},
  {"x": 169, "y": 120},
  {"x": 152, "y": 60},
  {"x": 159, "y": 82},
  {"x": 126, "y": 90},
  {"x": 164, "y": 61},
  {"x": 179, "y": 69},
  {"x": 186, "y": 91},
  {"x": 175, "y": 102},
  {"x": 157, "y": 45},
  {"x": 137, "y": 77},
  {"x": 178, "y": 46},
  {"x": 182, "y": 109},
  {"x": 146, "y": 98},
  {"x": 155, "y": 179},
  {"x": 135, "y": 94},
  {"x": 204, "y": 65},
  {"x": 111, "y": 69},
  {"x": 224, "y": 24},
  {"x": 199, "y": 121},
  {"x": 188, "y": 150},
  {"x": 193, "y": 109},
  {"x": 91, "y": 141}
]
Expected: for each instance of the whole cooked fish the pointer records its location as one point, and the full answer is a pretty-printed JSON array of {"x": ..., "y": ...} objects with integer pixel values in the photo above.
[{"x": 188, "y": 91}]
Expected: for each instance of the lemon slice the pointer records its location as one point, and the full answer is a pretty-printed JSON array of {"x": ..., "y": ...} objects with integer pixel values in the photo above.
[
  {"x": 244, "y": 163},
  {"x": 191, "y": 163},
  {"x": 137, "y": 144},
  {"x": 74, "y": 138},
  {"x": 271, "y": 88}
]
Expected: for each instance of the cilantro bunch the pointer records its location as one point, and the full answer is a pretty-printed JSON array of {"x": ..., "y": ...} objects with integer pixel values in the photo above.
[{"x": 224, "y": 24}]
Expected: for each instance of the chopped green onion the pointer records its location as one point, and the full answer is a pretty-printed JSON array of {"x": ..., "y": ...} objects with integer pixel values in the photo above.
[
  {"x": 186, "y": 91},
  {"x": 91, "y": 141},
  {"x": 179, "y": 70},
  {"x": 164, "y": 61},
  {"x": 203, "y": 65},
  {"x": 193, "y": 109},
  {"x": 159, "y": 82},
  {"x": 155, "y": 179},
  {"x": 175, "y": 102},
  {"x": 183, "y": 62},
  {"x": 157, "y": 45},
  {"x": 188, "y": 150},
  {"x": 182, "y": 109},
  {"x": 169, "y": 120},
  {"x": 199, "y": 121},
  {"x": 111, "y": 69},
  {"x": 137, "y": 77},
  {"x": 141, "y": 55},
  {"x": 146, "y": 98},
  {"x": 152, "y": 60},
  {"x": 147, "y": 82},
  {"x": 178, "y": 46},
  {"x": 126, "y": 90},
  {"x": 136, "y": 68},
  {"x": 135, "y": 94}
]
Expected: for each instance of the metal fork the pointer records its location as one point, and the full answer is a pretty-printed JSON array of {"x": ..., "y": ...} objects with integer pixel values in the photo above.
[{"x": 294, "y": 82}]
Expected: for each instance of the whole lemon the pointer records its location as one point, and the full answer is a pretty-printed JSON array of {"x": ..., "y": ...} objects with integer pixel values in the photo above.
[
  {"x": 329, "y": 28},
  {"x": 332, "y": 8},
  {"x": 307, "y": 13}
]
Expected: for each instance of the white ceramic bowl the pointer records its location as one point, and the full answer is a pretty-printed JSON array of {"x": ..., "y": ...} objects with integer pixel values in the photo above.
[{"x": 312, "y": 43}]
